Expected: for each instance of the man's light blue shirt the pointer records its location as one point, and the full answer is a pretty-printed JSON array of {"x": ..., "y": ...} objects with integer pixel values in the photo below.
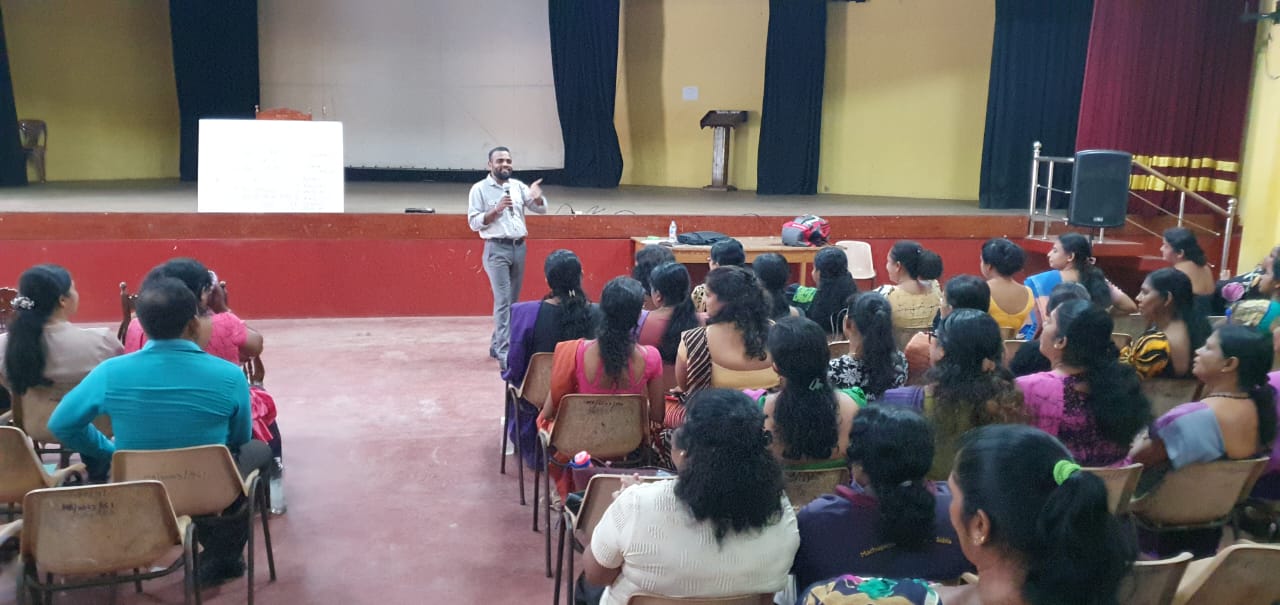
[{"x": 170, "y": 394}]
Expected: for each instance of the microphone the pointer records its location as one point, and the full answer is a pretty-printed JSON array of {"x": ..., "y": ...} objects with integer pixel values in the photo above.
[{"x": 506, "y": 190}]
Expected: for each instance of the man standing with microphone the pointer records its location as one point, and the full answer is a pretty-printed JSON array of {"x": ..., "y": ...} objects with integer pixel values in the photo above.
[{"x": 496, "y": 211}]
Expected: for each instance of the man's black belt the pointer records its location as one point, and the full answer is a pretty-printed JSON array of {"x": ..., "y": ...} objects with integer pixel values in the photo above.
[{"x": 504, "y": 240}]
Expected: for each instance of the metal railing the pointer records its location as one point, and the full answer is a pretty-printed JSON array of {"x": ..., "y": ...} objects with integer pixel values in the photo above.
[{"x": 1047, "y": 217}]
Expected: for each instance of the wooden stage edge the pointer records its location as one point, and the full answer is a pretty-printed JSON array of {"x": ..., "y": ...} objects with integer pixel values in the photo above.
[{"x": 82, "y": 226}]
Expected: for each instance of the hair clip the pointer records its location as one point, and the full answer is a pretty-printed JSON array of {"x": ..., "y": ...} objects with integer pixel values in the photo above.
[
  {"x": 1063, "y": 470},
  {"x": 24, "y": 303},
  {"x": 815, "y": 384}
]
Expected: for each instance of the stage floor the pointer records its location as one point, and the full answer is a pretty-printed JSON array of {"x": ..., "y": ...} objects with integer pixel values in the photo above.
[{"x": 170, "y": 196}]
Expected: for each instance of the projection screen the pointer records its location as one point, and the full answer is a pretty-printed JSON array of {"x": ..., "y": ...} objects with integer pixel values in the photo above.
[{"x": 426, "y": 84}]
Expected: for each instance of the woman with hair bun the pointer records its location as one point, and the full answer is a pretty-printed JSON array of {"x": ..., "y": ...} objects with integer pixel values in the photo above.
[
  {"x": 914, "y": 296},
  {"x": 1181, "y": 249},
  {"x": 1001, "y": 260},
  {"x": 42, "y": 347}
]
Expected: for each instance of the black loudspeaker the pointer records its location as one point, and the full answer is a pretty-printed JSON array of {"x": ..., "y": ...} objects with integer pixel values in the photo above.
[{"x": 1100, "y": 188}]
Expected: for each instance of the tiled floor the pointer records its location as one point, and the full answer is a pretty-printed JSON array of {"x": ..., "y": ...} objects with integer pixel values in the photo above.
[{"x": 391, "y": 431}]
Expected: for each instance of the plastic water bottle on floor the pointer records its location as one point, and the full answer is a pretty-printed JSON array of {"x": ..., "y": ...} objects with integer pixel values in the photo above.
[
  {"x": 278, "y": 506},
  {"x": 580, "y": 467},
  {"x": 671, "y": 233}
]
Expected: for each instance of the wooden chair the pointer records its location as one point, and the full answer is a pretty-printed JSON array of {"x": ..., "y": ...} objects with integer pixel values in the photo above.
[
  {"x": 1168, "y": 393},
  {"x": 533, "y": 389},
  {"x": 34, "y": 136},
  {"x": 1120, "y": 482},
  {"x": 1153, "y": 582},
  {"x": 202, "y": 481},
  {"x": 836, "y": 348},
  {"x": 31, "y": 412},
  {"x": 1010, "y": 349},
  {"x": 1197, "y": 496},
  {"x": 127, "y": 307},
  {"x": 806, "y": 486},
  {"x": 21, "y": 471},
  {"x": 750, "y": 599},
  {"x": 1240, "y": 574},
  {"x": 6, "y": 307},
  {"x": 610, "y": 427},
  {"x": 280, "y": 113},
  {"x": 1130, "y": 324},
  {"x": 580, "y": 525},
  {"x": 1217, "y": 321},
  {"x": 1121, "y": 340},
  {"x": 98, "y": 531}
]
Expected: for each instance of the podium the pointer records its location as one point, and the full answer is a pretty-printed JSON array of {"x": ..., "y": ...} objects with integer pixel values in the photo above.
[{"x": 721, "y": 121}]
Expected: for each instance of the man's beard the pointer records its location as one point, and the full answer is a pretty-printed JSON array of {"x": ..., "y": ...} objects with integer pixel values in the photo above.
[{"x": 502, "y": 173}]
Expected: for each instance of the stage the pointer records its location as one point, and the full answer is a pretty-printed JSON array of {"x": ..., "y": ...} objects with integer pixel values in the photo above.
[{"x": 376, "y": 261}]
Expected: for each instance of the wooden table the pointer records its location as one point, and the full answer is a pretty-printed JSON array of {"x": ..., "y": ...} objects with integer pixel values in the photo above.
[{"x": 753, "y": 246}]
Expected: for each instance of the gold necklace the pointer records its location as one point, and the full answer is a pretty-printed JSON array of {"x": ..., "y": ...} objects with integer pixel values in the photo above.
[{"x": 1228, "y": 395}]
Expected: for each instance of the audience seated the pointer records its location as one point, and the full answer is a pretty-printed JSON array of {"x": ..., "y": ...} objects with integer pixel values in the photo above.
[
  {"x": 1089, "y": 401},
  {"x": 647, "y": 258},
  {"x": 961, "y": 292},
  {"x": 1028, "y": 359},
  {"x": 773, "y": 271},
  {"x": 808, "y": 420},
  {"x": 833, "y": 286},
  {"x": 1001, "y": 260},
  {"x": 889, "y": 521},
  {"x": 873, "y": 363},
  {"x": 730, "y": 351},
  {"x": 724, "y": 253},
  {"x": 1071, "y": 260},
  {"x": 42, "y": 347},
  {"x": 967, "y": 387},
  {"x": 609, "y": 365},
  {"x": 1181, "y": 250},
  {"x": 169, "y": 395},
  {"x": 1248, "y": 283},
  {"x": 914, "y": 272},
  {"x": 1177, "y": 327},
  {"x": 722, "y": 527},
  {"x": 1264, "y": 316},
  {"x": 673, "y": 313}
]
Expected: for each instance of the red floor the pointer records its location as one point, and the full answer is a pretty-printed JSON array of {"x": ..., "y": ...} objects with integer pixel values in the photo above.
[{"x": 391, "y": 431}]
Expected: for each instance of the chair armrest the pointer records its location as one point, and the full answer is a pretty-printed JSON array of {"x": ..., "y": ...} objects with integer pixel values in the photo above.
[
  {"x": 969, "y": 577},
  {"x": 61, "y": 475},
  {"x": 183, "y": 522},
  {"x": 6, "y": 418},
  {"x": 10, "y": 530},
  {"x": 249, "y": 481}
]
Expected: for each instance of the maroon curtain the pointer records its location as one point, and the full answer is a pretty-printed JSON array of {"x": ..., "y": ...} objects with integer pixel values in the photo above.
[{"x": 1168, "y": 81}]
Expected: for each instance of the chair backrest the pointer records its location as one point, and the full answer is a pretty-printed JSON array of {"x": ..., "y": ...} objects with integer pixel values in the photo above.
[
  {"x": 1153, "y": 582},
  {"x": 1130, "y": 324},
  {"x": 607, "y": 426},
  {"x": 127, "y": 305},
  {"x": 6, "y": 307},
  {"x": 806, "y": 486},
  {"x": 861, "y": 265},
  {"x": 1240, "y": 574},
  {"x": 902, "y": 336},
  {"x": 838, "y": 348},
  {"x": 1199, "y": 493},
  {"x": 537, "y": 379},
  {"x": 281, "y": 113},
  {"x": 20, "y": 468},
  {"x": 98, "y": 529},
  {"x": 1120, "y": 482},
  {"x": 31, "y": 411},
  {"x": 747, "y": 599},
  {"x": 200, "y": 480},
  {"x": 1011, "y": 348},
  {"x": 597, "y": 498},
  {"x": 1168, "y": 393},
  {"x": 1217, "y": 321},
  {"x": 33, "y": 133},
  {"x": 1121, "y": 340}
]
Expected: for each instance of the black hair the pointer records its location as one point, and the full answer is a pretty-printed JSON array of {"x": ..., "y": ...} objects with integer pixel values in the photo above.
[
  {"x": 968, "y": 292},
  {"x": 1184, "y": 241},
  {"x": 918, "y": 262},
  {"x": 189, "y": 271},
  {"x": 1028, "y": 359},
  {"x": 872, "y": 314},
  {"x": 730, "y": 477},
  {"x": 967, "y": 394},
  {"x": 496, "y": 150},
  {"x": 894, "y": 446},
  {"x": 806, "y": 415},
  {"x": 564, "y": 277},
  {"x": 1004, "y": 256},
  {"x": 1065, "y": 291},
  {"x": 1254, "y": 351},
  {"x": 835, "y": 285},
  {"x": 1072, "y": 548},
  {"x": 671, "y": 280},
  {"x": 1115, "y": 392},
  {"x": 1174, "y": 284},
  {"x": 646, "y": 259},
  {"x": 25, "y": 352},
  {"x": 742, "y": 304},
  {"x": 1091, "y": 277},
  {"x": 165, "y": 306},
  {"x": 773, "y": 271},
  {"x": 728, "y": 253},
  {"x": 621, "y": 303}
]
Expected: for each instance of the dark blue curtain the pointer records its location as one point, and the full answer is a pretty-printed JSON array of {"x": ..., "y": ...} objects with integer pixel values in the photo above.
[
  {"x": 215, "y": 64},
  {"x": 1037, "y": 73},
  {"x": 13, "y": 165},
  {"x": 584, "y": 62},
  {"x": 791, "y": 115}
]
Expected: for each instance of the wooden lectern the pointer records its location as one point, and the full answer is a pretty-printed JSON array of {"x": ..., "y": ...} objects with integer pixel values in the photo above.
[{"x": 721, "y": 122}]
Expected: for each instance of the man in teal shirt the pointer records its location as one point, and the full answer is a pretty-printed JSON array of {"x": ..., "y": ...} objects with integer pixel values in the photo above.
[{"x": 171, "y": 394}]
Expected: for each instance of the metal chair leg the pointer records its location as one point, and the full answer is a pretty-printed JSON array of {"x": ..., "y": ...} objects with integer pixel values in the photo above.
[
  {"x": 254, "y": 500},
  {"x": 546, "y": 487},
  {"x": 571, "y": 582},
  {"x": 263, "y": 507},
  {"x": 537, "y": 483},
  {"x": 519, "y": 451},
  {"x": 555, "y": 599},
  {"x": 506, "y": 418},
  {"x": 137, "y": 583}
]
